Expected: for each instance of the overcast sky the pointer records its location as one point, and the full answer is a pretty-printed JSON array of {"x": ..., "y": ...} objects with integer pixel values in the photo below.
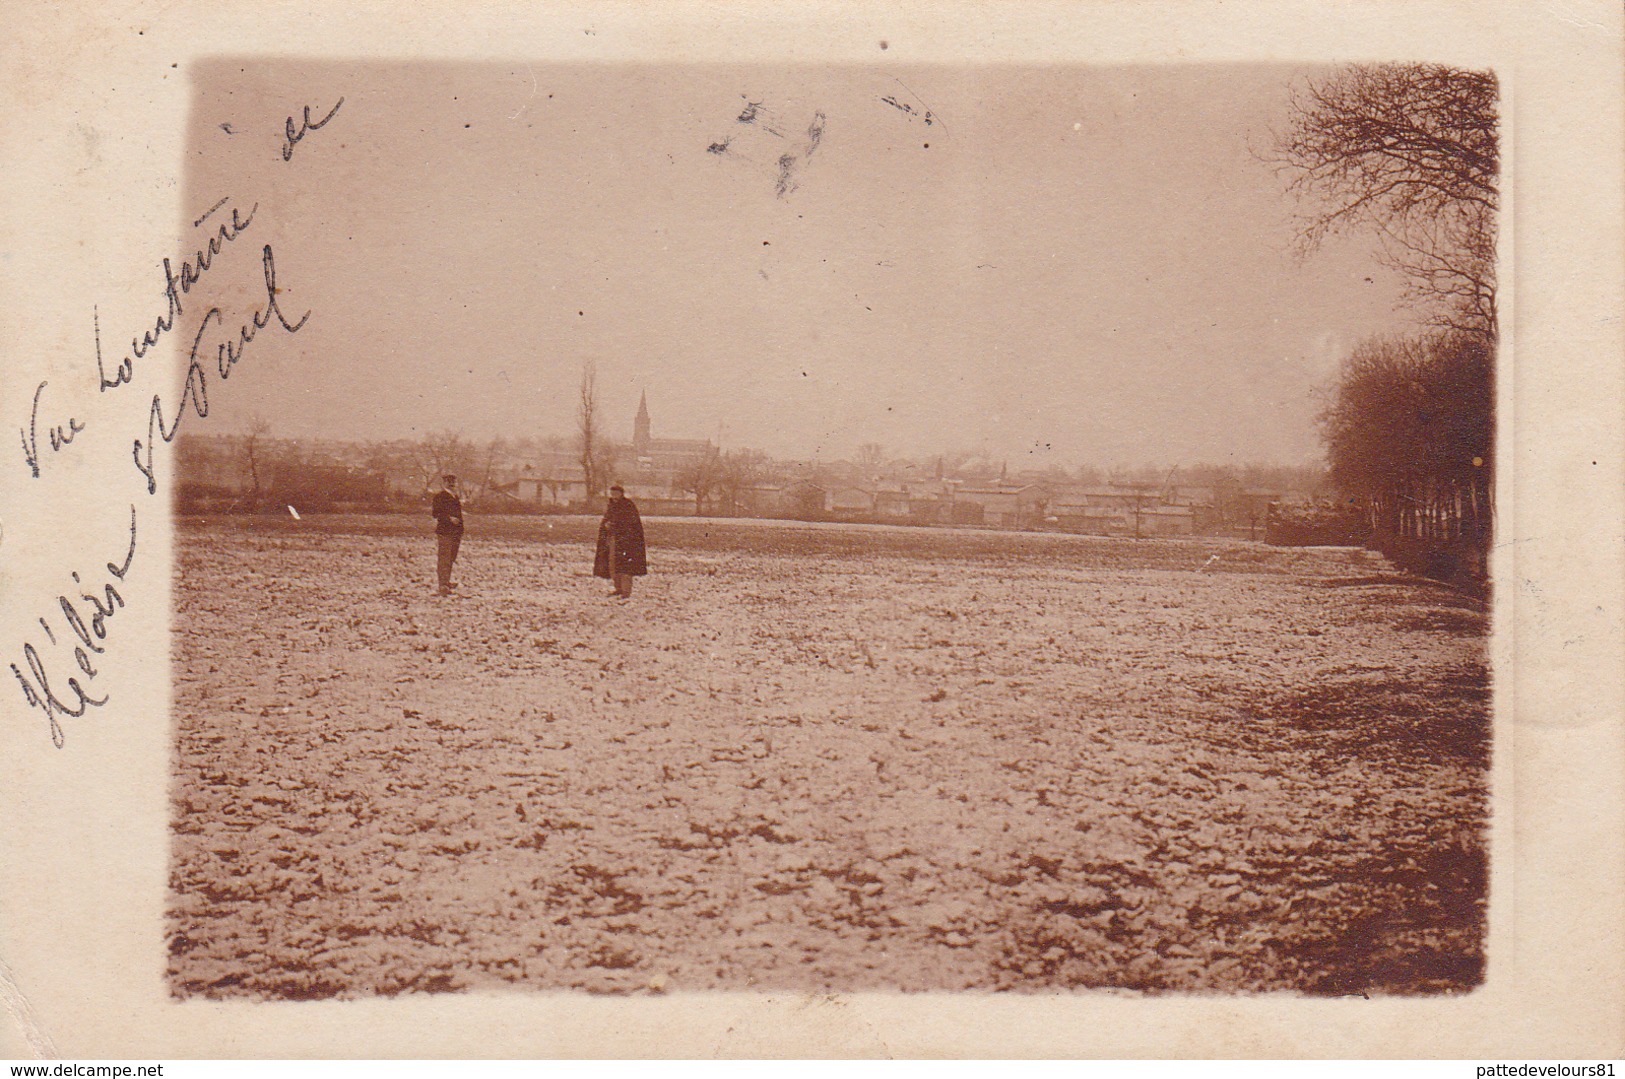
[{"x": 1066, "y": 265}]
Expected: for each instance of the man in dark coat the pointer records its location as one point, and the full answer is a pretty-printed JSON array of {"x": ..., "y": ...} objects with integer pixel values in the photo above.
[
  {"x": 448, "y": 528},
  {"x": 621, "y": 555}
]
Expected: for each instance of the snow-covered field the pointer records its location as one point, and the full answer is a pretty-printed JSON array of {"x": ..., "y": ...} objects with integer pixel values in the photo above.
[{"x": 829, "y": 757}]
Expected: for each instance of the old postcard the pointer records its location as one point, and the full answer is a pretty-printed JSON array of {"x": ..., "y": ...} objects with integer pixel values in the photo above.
[{"x": 1064, "y": 530}]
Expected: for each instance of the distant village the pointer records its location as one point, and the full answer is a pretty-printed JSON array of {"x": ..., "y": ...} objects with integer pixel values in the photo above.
[{"x": 258, "y": 472}]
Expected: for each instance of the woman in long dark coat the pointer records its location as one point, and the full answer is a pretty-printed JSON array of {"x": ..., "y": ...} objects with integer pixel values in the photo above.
[{"x": 621, "y": 554}]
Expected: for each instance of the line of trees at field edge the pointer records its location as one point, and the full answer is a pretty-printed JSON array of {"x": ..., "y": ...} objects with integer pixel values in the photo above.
[{"x": 1410, "y": 153}]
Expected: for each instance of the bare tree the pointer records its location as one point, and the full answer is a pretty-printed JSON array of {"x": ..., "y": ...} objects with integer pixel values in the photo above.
[
  {"x": 738, "y": 471},
  {"x": 393, "y": 464},
  {"x": 700, "y": 478},
  {"x": 608, "y": 456},
  {"x": 871, "y": 458},
  {"x": 495, "y": 454},
  {"x": 1141, "y": 495},
  {"x": 440, "y": 452},
  {"x": 1411, "y": 152},
  {"x": 254, "y": 448},
  {"x": 587, "y": 428}
]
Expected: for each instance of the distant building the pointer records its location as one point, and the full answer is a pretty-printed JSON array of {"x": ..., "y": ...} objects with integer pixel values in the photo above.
[
  {"x": 1001, "y": 505},
  {"x": 664, "y": 456},
  {"x": 1162, "y": 520},
  {"x": 1124, "y": 509},
  {"x": 759, "y": 500},
  {"x": 853, "y": 503},
  {"x": 804, "y": 499},
  {"x": 561, "y": 485},
  {"x": 654, "y": 474},
  {"x": 891, "y": 502}
]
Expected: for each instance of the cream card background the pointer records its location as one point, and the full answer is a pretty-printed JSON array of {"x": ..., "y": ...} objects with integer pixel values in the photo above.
[{"x": 93, "y": 143}]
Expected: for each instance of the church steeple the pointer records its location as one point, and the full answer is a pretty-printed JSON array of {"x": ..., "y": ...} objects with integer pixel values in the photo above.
[{"x": 640, "y": 426}]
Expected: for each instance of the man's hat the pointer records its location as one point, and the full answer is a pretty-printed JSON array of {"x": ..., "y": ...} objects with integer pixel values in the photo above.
[{"x": 617, "y": 487}]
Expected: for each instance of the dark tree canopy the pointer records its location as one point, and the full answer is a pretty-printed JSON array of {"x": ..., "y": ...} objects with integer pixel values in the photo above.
[
  {"x": 1410, "y": 151},
  {"x": 1412, "y": 432}
]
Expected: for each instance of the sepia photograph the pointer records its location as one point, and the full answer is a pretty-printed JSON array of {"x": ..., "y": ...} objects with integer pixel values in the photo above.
[{"x": 661, "y": 527}]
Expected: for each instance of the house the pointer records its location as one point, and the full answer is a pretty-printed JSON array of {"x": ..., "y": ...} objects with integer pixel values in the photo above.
[
  {"x": 561, "y": 487},
  {"x": 891, "y": 502},
  {"x": 804, "y": 499},
  {"x": 930, "y": 502},
  {"x": 1162, "y": 520},
  {"x": 1074, "y": 512},
  {"x": 851, "y": 503},
  {"x": 1001, "y": 505},
  {"x": 1119, "y": 510},
  {"x": 758, "y": 500}
]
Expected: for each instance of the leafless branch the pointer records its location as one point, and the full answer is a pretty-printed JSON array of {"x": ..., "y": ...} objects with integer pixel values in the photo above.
[{"x": 1410, "y": 151}]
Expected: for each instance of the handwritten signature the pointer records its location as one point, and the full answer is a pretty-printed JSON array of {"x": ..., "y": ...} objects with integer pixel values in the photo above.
[
  {"x": 292, "y": 137},
  {"x": 61, "y": 684},
  {"x": 195, "y": 391},
  {"x": 175, "y": 286},
  {"x": 61, "y": 435},
  {"x": 74, "y": 700}
]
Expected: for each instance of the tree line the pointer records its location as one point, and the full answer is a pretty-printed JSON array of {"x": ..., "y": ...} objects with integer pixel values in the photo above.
[
  {"x": 1410, "y": 153},
  {"x": 258, "y": 470},
  {"x": 1412, "y": 430}
]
